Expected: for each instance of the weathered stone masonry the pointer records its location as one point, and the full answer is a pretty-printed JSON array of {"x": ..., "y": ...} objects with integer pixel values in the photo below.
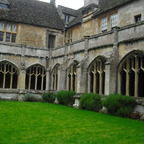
[{"x": 47, "y": 56}]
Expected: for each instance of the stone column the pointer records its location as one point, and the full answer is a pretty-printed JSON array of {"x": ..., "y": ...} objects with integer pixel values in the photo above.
[
  {"x": 22, "y": 74},
  {"x": 114, "y": 60},
  {"x": 86, "y": 46},
  {"x": 82, "y": 81},
  {"x": 78, "y": 79},
  {"x": 21, "y": 80},
  {"x": 61, "y": 79},
  {"x": 107, "y": 78},
  {"x": 48, "y": 79}
]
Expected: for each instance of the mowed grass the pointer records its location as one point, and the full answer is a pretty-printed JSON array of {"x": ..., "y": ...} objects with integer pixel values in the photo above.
[{"x": 43, "y": 123}]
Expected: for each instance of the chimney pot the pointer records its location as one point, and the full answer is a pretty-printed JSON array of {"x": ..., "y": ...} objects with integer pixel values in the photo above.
[{"x": 53, "y": 2}]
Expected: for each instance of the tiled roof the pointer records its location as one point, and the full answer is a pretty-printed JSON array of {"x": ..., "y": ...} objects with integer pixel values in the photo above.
[
  {"x": 77, "y": 20},
  {"x": 32, "y": 12},
  {"x": 69, "y": 11}
]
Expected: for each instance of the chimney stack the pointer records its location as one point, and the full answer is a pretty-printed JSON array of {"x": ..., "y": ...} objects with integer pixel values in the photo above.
[
  {"x": 88, "y": 2},
  {"x": 53, "y": 2}
]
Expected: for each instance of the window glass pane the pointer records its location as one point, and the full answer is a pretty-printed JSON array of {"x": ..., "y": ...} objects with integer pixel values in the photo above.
[
  {"x": 51, "y": 42},
  {"x": 67, "y": 18},
  {"x": 8, "y": 27},
  {"x": 8, "y": 35},
  {"x": 1, "y": 26},
  {"x": 13, "y": 38},
  {"x": 13, "y": 28},
  {"x": 138, "y": 18},
  {"x": 3, "y": 5},
  {"x": 1, "y": 36},
  {"x": 104, "y": 24},
  {"x": 114, "y": 20}
]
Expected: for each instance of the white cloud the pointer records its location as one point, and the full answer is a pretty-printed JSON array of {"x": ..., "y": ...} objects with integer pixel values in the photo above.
[{"x": 75, "y": 4}]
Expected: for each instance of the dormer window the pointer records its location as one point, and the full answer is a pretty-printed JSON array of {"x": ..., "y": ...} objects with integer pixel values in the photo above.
[
  {"x": 4, "y": 4},
  {"x": 67, "y": 18}
]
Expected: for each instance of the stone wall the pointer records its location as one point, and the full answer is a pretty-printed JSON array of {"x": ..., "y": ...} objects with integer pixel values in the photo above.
[
  {"x": 91, "y": 27},
  {"x": 35, "y": 36}
]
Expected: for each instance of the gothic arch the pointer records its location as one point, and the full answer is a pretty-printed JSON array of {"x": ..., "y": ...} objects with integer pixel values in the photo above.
[
  {"x": 35, "y": 77},
  {"x": 55, "y": 77},
  {"x": 96, "y": 75},
  {"x": 131, "y": 74},
  {"x": 72, "y": 75},
  {"x": 8, "y": 75}
]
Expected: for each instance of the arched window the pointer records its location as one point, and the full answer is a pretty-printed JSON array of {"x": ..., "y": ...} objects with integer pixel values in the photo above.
[
  {"x": 97, "y": 76},
  {"x": 72, "y": 77},
  {"x": 131, "y": 75},
  {"x": 36, "y": 77},
  {"x": 8, "y": 75},
  {"x": 55, "y": 77}
]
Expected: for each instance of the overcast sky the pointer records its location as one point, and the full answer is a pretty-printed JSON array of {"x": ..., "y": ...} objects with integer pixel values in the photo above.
[{"x": 75, "y": 4}]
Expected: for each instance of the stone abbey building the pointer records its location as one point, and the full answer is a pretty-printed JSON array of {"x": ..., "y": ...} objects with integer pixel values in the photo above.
[{"x": 98, "y": 48}]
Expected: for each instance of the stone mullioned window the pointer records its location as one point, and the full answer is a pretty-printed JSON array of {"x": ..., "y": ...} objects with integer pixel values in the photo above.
[
  {"x": 97, "y": 76},
  {"x": 36, "y": 78},
  {"x": 72, "y": 77},
  {"x": 55, "y": 77},
  {"x": 131, "y": 76},
  {"x": 8, "y": 75},
  {"x": 8, "y": 32}
]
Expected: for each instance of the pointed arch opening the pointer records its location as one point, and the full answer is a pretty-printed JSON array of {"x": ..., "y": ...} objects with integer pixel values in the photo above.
[
  {"x": 8, "y": 75},
  {"x": 72, "y": 76},
  {"x": 131, "y": 75},
  {"x": 97, "y": 75},
  {"x": 36, "y": 78},
  {"x": 55, "y": 77}
]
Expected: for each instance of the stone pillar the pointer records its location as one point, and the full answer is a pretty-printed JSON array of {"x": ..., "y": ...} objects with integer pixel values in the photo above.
[
  {"x": 86, "y": 46},
  {"x": 82, "y": 77},
  {"x": 48, "y": 79},
  {"x": 22, "y": 74},
  {"x": 61, "y": 79},
  {"x": 107, "y": 78},
  {"x": 78, "y": 79},
  {"x": 114, "y": 60},
  {"x": 21, "y": 80}
]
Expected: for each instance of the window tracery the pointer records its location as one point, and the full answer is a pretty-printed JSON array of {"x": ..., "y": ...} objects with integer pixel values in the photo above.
[
  {"x": 97, "y": 76},
  {"x": 72, "y": 77},
  {"x": 131, "y": 76},
  {"x": 55, "y": 77},
  {"x": 36, "y": 78},
  {"x": 8, "y": 75}
]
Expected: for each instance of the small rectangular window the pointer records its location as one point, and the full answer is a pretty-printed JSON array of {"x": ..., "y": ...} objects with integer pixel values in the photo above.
[
  {"x": 138, "y": 18},
  {"x": 1, "y": 36},
  {"x": 114, "y": 20},
  {"x": 13, "y": 39},
  {"x": 13, "y": 28},
  {"x": 67, "y": 18},
  {"x": 8, "y": 27},
  {"x": 51, "y": 41},
  {"x": 8, "y": 37},
  {"x": 103, "y": 24},
  {"x": 1, "y": 26}
]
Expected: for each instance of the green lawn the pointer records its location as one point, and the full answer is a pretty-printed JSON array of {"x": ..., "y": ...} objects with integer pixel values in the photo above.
[{"x": 43, "y": 123}]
